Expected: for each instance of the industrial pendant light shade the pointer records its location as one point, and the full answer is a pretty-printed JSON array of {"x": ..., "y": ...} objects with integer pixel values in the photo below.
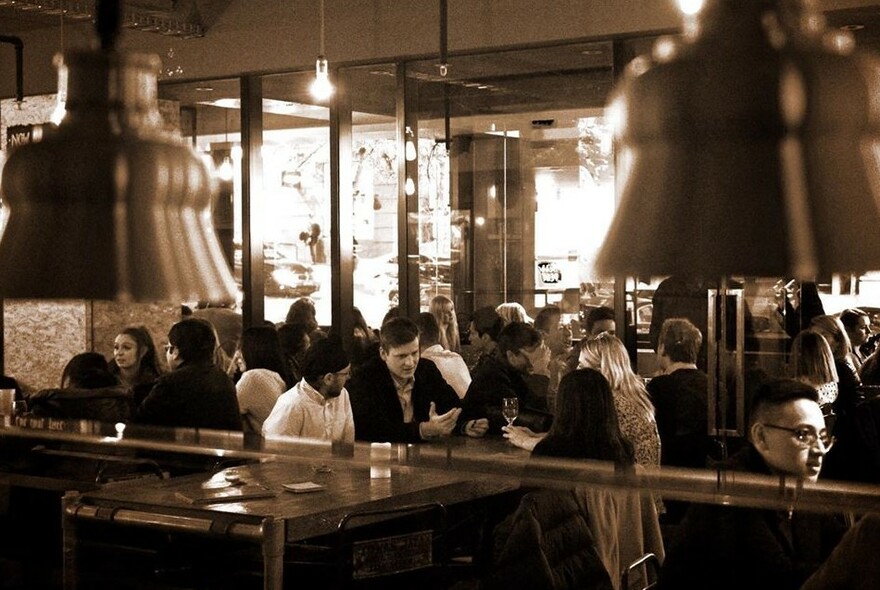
[
  {"x": 108, "y": 206},
  {"x": 748, "y": 148}
]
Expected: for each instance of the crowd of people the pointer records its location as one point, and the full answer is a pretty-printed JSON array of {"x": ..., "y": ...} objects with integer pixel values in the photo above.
[{"x": 578, "y": 398}]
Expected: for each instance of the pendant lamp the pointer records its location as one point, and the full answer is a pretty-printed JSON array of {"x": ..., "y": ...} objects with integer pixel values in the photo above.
[
  {"x": 749, "y": 147},
  {"x": 107, "y": 205}
]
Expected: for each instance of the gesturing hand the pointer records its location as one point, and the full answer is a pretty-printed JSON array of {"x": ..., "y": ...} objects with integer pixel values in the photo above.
[
  {"x": 476, "y": 428},
  {"x": 439, "y": 424}
]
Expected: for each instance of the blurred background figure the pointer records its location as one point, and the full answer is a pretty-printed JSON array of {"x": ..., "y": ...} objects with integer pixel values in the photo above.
[
  {"x": 451, "y": 365},
  {"x": 295, "y": 341},
  {"x": 443, "y": 310},
  {"x": 812, "y": 362},
  {"x": 857, "y": 324},
  {"x": 512, "y": 311}
]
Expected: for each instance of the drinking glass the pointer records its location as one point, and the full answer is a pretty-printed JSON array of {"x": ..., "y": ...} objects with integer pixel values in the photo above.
[{"x": 510, "y": 409}]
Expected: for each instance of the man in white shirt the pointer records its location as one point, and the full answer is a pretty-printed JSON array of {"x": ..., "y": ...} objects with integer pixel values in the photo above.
[
  {"x": 451, "y": 365},
  {"x": 318, "y": 406}
]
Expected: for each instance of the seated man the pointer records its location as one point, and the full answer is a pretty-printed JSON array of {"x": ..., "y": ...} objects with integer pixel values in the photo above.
[
  {"x": 400, "y": 397},
  {"x": 451, "y": 365},
  {"x": 743, "y": 547},
  {"x": 507, "y": 373},
  {"x": 317, "y": 406},
  {"x": 483, "y": 333},
  {"x": 196, "y": 393}
]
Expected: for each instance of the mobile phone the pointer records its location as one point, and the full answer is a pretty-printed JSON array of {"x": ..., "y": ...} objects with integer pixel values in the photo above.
[{"x": 302, "y": 487}]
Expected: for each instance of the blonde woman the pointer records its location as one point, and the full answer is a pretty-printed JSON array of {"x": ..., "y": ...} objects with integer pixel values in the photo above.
[
  {"x": 607, "y": 354},
  {"x": 443, "y": 310},
  {"x": 849, "y": 392},
  {"x": 812, "y": 362}
]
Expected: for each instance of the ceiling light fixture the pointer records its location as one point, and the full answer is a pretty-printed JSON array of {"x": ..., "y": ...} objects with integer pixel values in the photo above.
[
  {"x": 760, "y": 116},
  {"x": 410, "y": 151},
  {"x": 108, "y": 206},
  {"x": 321, "y": 87}
]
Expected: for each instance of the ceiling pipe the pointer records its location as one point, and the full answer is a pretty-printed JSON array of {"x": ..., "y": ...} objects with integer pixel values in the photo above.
[{"x": 19, "y": 64}]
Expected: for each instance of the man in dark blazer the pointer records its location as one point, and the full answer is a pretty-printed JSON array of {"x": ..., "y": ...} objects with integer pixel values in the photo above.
[
  {"x": 196, "y": 393},
  {"x": 399, "y": 397}
]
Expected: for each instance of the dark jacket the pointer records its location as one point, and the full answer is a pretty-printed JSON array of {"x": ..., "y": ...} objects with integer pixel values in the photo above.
[
  {"x": 681, "y": 409},
  {"x": 192, "y": 396},
  {"x": 104, "y": 404},
  {"x": 725, "y": 547},
  {"x": 548, "y": 544},
  {"x": 378, "y": 416},
  {"x": 495, "y": 380}
]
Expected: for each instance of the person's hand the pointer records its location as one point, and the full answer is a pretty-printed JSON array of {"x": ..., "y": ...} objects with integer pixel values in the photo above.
[
  {"x": 476, "y": 428},
  {"x": 522, "y": 437},
  {"x": 540, "y": 360},
  {"x": 439, "y": 424}
]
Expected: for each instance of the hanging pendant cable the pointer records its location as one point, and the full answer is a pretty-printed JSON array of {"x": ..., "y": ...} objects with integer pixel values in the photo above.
[{"x": 322, "y": 27}]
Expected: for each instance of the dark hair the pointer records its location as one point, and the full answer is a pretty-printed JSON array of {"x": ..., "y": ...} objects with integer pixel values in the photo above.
[
  {"x": 597, "y": 314},
  {"x": 586, "y": 419},
  {"x": 681, "y": 340},
  {"x": 397, "y": 332},
  {"x": 544, "y": 319},
  {"x": 850, "y": 317},
  {"x": 324, "y": 356},
  {"x": 302, "y": 311},
  {"x": 778, "y": 392},
  {"x": 261, "y": 349},
  {"x": 148, "y": 366},
  {"x": 87, "y": 370},
  {"x": 358, "y": 321},
  {"x": 291, "y": 337},
  {"x": 487, "y": 321},
  {"x": 517, "y": 335},
  {"x": 429, "y": 330},
  {"x": 393, "y": 312},
  {"x": 194, "y": 340}
]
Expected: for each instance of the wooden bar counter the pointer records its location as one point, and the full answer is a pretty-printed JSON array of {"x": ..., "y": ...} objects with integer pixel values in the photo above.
[{"x": 286, "y": 517}]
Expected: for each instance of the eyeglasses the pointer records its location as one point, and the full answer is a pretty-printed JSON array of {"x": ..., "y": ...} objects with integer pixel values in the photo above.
[
  {"x": 807, "y": 437},
  {"x": 346, "y": 373}
]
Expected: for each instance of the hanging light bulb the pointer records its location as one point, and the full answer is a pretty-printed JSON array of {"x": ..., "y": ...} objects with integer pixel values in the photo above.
[
  {"x": 225, "y": 171},
  {"x": 410, "y": 151},
  {"x": 321, "y": 87},
  {"x": 409, "y": 187}
]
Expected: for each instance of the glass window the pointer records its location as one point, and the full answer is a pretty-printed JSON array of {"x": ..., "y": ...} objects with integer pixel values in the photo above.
[{"x": 516, "y": 179}]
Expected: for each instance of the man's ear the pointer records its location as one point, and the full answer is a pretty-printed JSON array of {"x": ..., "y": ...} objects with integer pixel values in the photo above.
[
  {"x": 757, "y": 435},
  {"x": 382, "y": 354}
]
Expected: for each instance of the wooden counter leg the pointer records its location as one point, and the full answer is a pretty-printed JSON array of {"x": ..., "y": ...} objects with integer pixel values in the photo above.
[
  {"x": 273, "y": 554},
  {"x": 68, "y": 528}
]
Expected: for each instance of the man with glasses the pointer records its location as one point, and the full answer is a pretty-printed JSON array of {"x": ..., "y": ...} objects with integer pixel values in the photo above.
[
  {"x": 508, "y": 373},
  {"x": 318, "y": 406},
  {"x": 196, "y": 393},
  {"x": 744, "y": 547}
]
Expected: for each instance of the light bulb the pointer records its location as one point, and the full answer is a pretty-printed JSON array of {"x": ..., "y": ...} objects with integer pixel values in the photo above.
[
  {"x": 409, "y": 187},
  {"x": 690, "y": 7},
  {"x": 321, "y": 87},
  {"x": 410, "y": 151},
  {"x": 225, "y": 170}
]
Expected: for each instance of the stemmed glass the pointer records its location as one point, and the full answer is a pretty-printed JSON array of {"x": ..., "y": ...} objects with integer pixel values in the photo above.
[{"x": 510, "y": 409}]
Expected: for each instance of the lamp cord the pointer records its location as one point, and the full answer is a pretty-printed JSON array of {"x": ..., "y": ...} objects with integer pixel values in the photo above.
[{"x": 322, "y": 26}]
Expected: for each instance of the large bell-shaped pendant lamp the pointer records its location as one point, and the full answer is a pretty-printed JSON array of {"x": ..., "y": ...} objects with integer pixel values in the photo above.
[
  {"x": 749, "y": 147},
  {"x": 108, "y": 205}
]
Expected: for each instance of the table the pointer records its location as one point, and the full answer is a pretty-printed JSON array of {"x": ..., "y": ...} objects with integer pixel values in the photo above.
[{"x": 288, "y": 517}]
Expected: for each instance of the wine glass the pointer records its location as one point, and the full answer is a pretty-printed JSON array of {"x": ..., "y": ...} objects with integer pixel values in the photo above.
[{"x": 510, "y": 409}]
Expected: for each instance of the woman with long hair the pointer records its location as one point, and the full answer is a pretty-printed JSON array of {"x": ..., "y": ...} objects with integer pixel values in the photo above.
[
  {"x": 135, "y": 362},
  {"x": 849, "y": 393},
  {"x": 635, "y": 412},
  {"x": 264, "y": 375},
  {"x": 586, "y": 425},
  {"x": 812, "y": 362},
  {"x": 443, "y": 310}
]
